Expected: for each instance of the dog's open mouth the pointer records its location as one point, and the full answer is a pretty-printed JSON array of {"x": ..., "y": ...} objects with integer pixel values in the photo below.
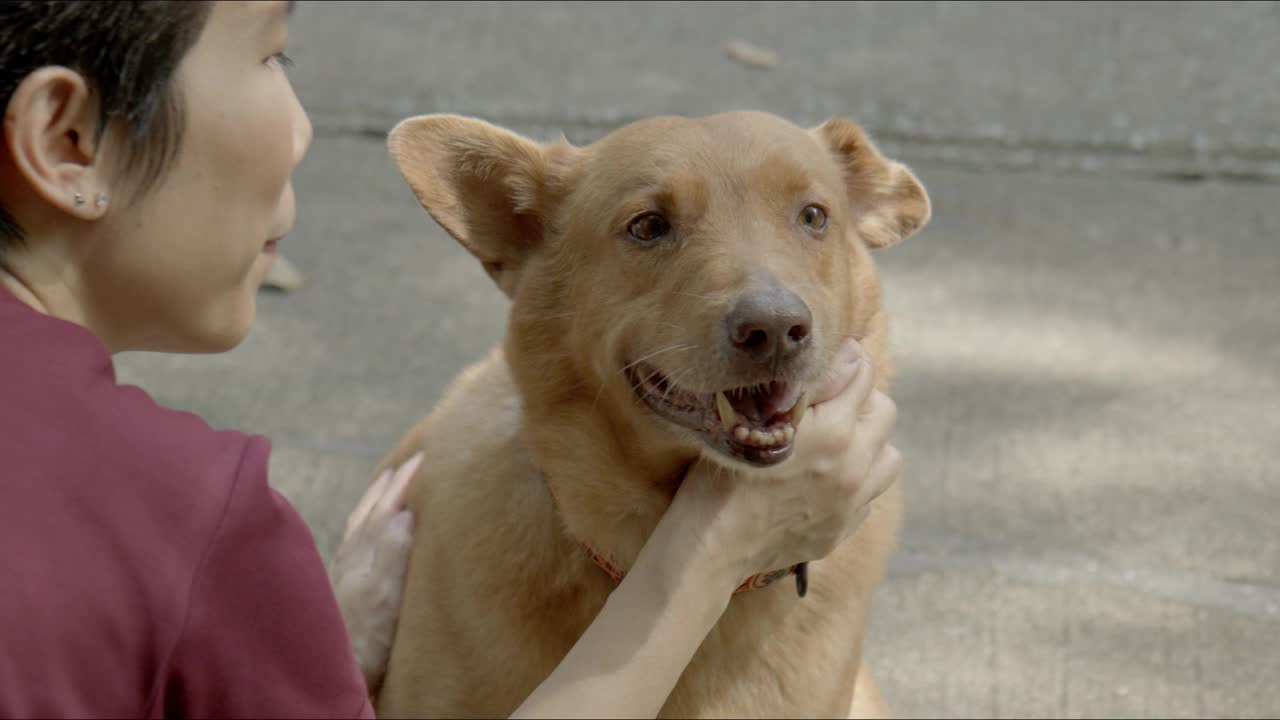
[{"x": 755, "y": 424}]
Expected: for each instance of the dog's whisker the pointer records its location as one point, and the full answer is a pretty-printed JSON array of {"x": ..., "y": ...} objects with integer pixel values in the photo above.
[
  {"x": 708, "y": 298},
  {"x": 673, "y": 348},
  {"x": 674, "y": 382},
  {"x": 596, "y": 399},
  {"x": 635, "y": 387},
  {"x": 579, "y": 384}
]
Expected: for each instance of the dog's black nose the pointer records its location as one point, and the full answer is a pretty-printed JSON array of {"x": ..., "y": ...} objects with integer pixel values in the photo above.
[{"x": 769, "y": 325}]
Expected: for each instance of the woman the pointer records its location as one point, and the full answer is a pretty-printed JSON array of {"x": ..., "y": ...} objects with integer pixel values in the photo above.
[{"x": 148, "y": 568}]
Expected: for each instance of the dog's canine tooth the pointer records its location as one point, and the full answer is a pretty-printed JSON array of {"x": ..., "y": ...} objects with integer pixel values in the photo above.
[
  {"x": 728, "y": 417},
  {"x": 802, "y": 406}
]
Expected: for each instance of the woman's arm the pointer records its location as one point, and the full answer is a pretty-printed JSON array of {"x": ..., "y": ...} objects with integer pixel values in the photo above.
[{"x": 629, "y": 659}]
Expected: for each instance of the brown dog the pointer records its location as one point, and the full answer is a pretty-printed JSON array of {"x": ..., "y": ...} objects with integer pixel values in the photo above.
[{"x": 677, "y": 289}]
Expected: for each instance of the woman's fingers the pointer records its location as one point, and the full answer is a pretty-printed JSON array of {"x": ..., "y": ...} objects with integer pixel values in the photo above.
[
  {"x": 876, "y": 422},
  {"x": 365, "y": 506},
  {"x": 387, "y": 494},
  {"x": 397, "y": 542},
  {"x": 396, "y": 493},
  {"x": 844, "y": 406},
  {"x": 832, "y": 427},
  {"x": 840, "y": 371},
  {"x": 885, "y": 471},
  {"x": 862, "y": 490}
]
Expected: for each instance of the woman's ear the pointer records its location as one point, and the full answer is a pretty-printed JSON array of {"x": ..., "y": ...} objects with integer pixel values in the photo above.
[{"x": 50, "y": 133}]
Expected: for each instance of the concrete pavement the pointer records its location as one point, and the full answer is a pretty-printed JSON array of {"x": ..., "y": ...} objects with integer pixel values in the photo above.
[
  {"x": 1086, "y": 334},
  {"x": 1156, "y": 87}
]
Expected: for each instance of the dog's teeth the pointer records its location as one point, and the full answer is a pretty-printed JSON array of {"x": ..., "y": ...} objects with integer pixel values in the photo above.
[
  {"x": 797, "y": 412},
  {"x": 728, "y": 418},
  {"x": 764, "y": 438}
]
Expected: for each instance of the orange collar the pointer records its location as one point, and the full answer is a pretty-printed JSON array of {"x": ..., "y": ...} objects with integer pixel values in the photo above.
[{"x": 759, "y": 580}]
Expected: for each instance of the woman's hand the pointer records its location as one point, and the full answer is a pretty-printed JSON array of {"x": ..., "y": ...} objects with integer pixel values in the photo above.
[
  {"x": 758, "y": 522},
  {"x": 370, "y": 566}
]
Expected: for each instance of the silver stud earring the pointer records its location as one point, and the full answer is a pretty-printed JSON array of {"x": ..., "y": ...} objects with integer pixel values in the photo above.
[
  {"x": 100, "y": 200},
  {"x": 79, "y": 199}
]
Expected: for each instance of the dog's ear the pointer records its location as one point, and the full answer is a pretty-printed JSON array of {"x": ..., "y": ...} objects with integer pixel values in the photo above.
[
  {"x": 887, "y": 202},
  {"x": 485, "y": 185}
]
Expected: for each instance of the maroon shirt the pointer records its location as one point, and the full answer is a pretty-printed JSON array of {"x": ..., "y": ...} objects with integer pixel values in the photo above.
[{"x": 147, "y": 569}]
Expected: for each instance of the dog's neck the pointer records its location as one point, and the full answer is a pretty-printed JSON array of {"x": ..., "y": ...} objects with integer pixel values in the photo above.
[
  {"x": 611, "y": 479},
  {"x": 617, "y": 571},
  {"x": 611, "y": 501}
]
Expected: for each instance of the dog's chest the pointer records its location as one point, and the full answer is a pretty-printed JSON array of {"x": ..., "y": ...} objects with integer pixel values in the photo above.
[
  {"x": 773, "y": 654},
  {"x": 490, "y": 619},
  {"x": 776, "y": 655},
  {"x": 753, "y": 664}
]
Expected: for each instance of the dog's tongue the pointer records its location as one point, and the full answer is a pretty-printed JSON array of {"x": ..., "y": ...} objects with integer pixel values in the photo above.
[{"x": 761, "y": 406}]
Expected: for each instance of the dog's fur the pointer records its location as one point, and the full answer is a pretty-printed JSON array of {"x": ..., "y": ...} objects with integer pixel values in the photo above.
[{"x": 499, "y": 586}]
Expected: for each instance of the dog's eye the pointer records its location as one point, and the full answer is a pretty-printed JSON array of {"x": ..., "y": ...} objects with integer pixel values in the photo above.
[
  {"x": 648, "y": 228},
  {"x": 813, "y": 217}
]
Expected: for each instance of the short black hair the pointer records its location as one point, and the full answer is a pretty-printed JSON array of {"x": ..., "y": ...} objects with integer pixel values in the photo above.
[{"x": 127, "y": 51}]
